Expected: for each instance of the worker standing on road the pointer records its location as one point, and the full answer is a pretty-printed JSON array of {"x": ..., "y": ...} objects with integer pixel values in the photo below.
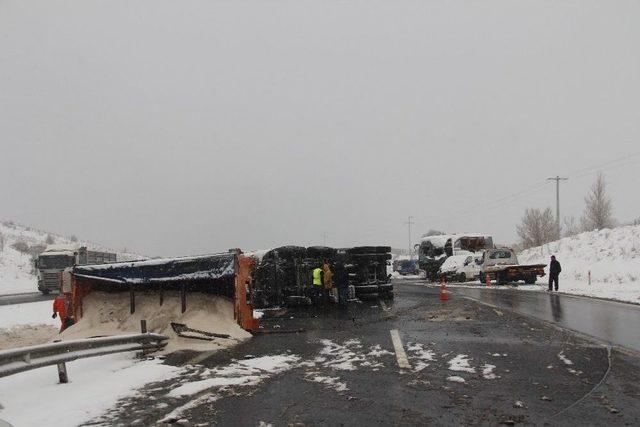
[
  {"x": 554, "y": 273},
  {"x": 327, "y": 280},
  {"x": 342, "y": 283},
  {"x": 61, "y": 308},
  {"x": 317, "y": 284}
]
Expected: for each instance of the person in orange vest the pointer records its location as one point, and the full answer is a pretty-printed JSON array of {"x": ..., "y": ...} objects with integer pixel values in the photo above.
[{"x": 61, "y": 308}]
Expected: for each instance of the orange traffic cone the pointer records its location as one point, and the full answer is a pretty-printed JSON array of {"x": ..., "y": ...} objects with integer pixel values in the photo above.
[{"x": 444, "y": 294}]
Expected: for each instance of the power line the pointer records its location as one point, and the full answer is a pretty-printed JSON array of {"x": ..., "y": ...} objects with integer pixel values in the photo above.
[{"x": 610, "y": 163}]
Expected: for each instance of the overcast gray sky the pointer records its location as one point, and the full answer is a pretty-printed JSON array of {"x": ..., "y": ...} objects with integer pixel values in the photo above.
[{"x": 183, "y": 127}]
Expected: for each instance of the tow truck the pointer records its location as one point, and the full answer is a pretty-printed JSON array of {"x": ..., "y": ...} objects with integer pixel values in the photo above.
[{"x": 501, "y": 265}]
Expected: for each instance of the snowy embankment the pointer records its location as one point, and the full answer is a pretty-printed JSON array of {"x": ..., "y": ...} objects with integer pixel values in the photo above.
[
  {"x": 16, "y": 266},
  {"x": 611, "y": 255},
  {"x": 95, "y": 384}
]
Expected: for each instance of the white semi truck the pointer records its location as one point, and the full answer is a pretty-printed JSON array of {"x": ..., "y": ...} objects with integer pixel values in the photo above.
[{"x": 55, "y": 258}]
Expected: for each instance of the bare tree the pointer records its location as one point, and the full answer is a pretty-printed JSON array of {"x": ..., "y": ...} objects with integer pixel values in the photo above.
[
  {"x": 50, "y": 240},
  {"x": 1, "y": 242},
  {"x": 537, "y": 227},
  {"x": 570, "y": 227},
  {"x": 598, "y": 210}
]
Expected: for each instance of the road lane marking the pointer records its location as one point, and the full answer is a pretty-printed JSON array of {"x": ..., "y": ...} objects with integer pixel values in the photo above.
[{"x": 403, "y": 361}]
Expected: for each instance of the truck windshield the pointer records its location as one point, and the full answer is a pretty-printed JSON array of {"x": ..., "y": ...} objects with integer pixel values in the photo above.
[{"x": 57, "y": 261}]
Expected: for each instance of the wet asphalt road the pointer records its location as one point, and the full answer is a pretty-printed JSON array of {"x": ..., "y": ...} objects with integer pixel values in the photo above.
[
  {"x": 533, "y": 383},
  {"x": 25, "y": 298},
  {"x": 608, "y": 321}
]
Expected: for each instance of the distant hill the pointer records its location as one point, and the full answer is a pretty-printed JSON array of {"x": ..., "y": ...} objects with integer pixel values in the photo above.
[{"x": 19, "y": 244}]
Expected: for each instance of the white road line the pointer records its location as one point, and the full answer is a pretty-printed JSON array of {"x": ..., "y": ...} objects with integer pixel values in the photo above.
[{"x": 403, "y": 361}]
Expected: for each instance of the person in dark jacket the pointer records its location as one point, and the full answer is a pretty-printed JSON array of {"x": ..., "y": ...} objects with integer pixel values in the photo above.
[
  {"x": 341, "y": 278},
  {"x": 554, "y": 272}
]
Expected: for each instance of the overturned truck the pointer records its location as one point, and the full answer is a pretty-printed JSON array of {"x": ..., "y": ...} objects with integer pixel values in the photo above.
[
  {"x": 225, "y": 274},
  {"x": 283, "y": 276}
]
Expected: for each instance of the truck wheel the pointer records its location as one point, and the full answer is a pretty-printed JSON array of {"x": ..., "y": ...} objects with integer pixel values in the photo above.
[
  {"x": 481, "y": 278},
  {"x": 461, "y": 277},
  {"x": 530, "y": 280},
  {"x": 46, "y": 292}
]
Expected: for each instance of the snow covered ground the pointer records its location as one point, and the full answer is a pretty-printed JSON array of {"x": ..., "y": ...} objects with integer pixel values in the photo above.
[
  {"x": 27, "y": 324},
  {"x": 35, "y": 398},
  {"x": 95, "y": 384},
  {"x": 611, "y": 255},
  {"x": 16, "y": 267}
]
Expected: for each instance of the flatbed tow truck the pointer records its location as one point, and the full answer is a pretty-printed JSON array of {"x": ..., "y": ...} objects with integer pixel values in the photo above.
[{"x": 501, "y": 266}]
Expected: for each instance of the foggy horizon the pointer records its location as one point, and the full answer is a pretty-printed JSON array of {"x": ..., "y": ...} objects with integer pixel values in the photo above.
[{"x": 194, "y": 127}]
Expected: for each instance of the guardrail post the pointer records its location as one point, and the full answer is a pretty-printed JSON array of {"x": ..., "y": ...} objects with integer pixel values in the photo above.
[
  {"x": 183, "y": 297},
  {"x": 143, "y": 326},
  {"x": 62, "y": 373},
  {"x": 132, "y": 299}
]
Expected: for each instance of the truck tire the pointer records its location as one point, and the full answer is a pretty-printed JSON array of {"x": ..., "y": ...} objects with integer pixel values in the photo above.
[
  {"x": 461, "y": 277},
  {"x": 531, "y": 279},
  {"x": 46, "y": 292}
]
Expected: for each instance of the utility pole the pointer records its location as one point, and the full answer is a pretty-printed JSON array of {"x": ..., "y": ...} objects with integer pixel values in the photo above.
[
  {"x": 325, "y": 236},
  {"x": 409, "y": 223},
  {"x": 557, "y": 179}
]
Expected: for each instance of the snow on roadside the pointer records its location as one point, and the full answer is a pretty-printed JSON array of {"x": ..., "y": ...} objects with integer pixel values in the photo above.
[
  {"x": 33, "y": 313},
  {"x": 218, "y": 381},
  {"x": 611, "y": 255},
  {"x": 27, "y": 324},
  {"x": 240, "y": 373},
  {"x": 16, "y": 267},
  {"x": 456, "y": 379},
  {"x": 95, "y": 385}
]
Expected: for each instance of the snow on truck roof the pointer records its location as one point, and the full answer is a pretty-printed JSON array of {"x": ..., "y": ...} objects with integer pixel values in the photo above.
[
  {"x": 201, "y": 267},
  {"x": 62, "y": 248},
  {"x": 441, "y": 239}
]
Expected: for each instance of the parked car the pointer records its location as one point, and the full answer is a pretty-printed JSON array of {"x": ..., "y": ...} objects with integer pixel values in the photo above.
[
  {"x": 461, "y": 268},
  {"x": 407, "y": 267}
]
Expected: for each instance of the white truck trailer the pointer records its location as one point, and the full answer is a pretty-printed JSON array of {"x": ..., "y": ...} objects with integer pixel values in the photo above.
[{"x": 55, "y": 258}]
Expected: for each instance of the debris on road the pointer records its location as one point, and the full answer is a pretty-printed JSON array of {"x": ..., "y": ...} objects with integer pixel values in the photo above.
[{"x": 186, "y": 332}]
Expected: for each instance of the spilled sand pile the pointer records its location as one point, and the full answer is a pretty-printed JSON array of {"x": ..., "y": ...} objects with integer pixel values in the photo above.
[
  {"x": 26, "y": 335},
  {"x": 109, "y": 314}
]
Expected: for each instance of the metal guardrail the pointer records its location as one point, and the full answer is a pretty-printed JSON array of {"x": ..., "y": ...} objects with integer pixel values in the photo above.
[{"x": 22, "y": 359}]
